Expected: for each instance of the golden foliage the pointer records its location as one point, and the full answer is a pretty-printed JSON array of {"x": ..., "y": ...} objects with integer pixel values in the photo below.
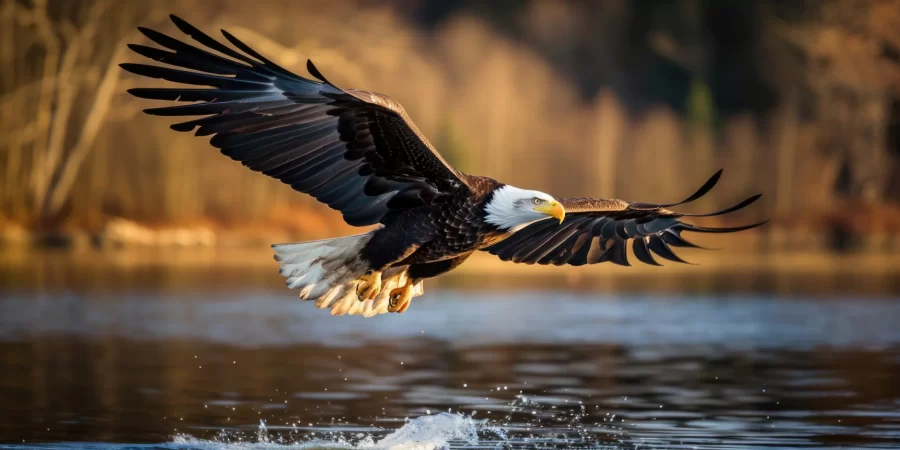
[{"x": 74, "y": 147}]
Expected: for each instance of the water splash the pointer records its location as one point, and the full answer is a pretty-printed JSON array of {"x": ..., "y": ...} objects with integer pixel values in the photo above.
[
  {"x": 530, "y": 422},
  {"x": 262, "y": 434},
  {"x": 423, "y": 433},
  {"x": 431, "y": 432}
]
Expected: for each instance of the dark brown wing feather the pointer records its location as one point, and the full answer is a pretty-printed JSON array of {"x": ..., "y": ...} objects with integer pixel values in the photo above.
[
  {"x": 598, "y": 230},
  {"x": 356, "y": 151}
]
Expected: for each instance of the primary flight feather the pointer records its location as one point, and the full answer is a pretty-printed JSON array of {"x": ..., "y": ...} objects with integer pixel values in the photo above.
[{"x": 359, "y": 153}]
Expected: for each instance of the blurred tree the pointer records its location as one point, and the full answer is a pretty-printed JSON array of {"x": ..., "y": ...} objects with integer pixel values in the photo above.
[
  {"x": 848, "y": 55},
  {"x": 647, "y": 51},
  {"x": 450, "y": 143},
  {"x": 56, "y": 96},
  {"x": 700, "y": 109}
]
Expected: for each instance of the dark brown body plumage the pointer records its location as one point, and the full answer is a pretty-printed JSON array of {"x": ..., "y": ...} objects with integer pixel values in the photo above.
[{"x": 438, "y": 232}]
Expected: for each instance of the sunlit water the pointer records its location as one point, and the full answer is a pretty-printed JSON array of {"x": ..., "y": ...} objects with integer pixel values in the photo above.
[{"x": 200, "y": 368}]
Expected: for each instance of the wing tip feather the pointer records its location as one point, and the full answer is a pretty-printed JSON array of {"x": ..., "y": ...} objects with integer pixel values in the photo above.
[
  {"x": 707, "y": 186},
  {"x": 183, "y": 25},
  {"x": 314, "y": 71}
]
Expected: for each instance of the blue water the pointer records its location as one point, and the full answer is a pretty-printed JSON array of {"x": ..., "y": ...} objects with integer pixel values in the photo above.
[{"x": 486, "y": 369}]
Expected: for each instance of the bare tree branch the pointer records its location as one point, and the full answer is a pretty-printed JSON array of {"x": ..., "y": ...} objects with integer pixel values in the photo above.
[
  {"x": 51, "y": 46},
  {"x": 65, "y": 93},
  {"x": 98, "y": 111}
]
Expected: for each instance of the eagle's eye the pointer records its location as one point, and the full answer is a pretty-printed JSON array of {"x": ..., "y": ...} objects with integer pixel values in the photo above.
[{"x": 537, "y": 201}]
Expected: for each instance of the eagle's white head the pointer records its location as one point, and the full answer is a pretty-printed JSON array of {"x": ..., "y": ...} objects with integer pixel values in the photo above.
[{"x": 512, "y": 208}]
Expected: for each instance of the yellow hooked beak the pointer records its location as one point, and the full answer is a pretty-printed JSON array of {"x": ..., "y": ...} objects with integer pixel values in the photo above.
[{"x": 552, "y": 209}]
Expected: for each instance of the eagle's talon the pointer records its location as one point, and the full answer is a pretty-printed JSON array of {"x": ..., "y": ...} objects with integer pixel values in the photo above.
[
  {"x": 400, "y": 298},
  {"x": 404, "y": 306},
  {"x": 369, "y": 285}
]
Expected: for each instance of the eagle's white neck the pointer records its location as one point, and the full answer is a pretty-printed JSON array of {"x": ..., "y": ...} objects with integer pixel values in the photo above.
[{"x": 511, "y": 208}]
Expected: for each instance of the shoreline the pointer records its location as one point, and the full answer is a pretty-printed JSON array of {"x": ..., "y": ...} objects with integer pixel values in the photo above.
[
  {"x": 246, "y": 273},
  {"x": 723, "y": 259}
]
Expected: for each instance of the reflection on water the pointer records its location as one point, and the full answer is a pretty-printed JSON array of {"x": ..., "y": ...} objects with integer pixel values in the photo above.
[
  {"x": 202, "y": 366},
  {"x": 223, "y": 270}
]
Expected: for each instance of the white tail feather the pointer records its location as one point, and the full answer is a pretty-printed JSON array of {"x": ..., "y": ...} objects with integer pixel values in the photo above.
[{"x": 327, "y": 271}]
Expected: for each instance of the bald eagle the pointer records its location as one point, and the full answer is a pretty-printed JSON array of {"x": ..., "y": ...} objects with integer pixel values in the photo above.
[{"x": 359, "y": 153}]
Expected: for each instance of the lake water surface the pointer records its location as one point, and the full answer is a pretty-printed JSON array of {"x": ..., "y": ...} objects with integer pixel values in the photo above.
[{"x": 132, "y": 364}]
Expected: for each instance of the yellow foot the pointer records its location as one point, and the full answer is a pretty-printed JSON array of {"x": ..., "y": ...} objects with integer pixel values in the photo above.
[
  {"x": 400, "y": 298},
  {"x": 369, "y": 285}
]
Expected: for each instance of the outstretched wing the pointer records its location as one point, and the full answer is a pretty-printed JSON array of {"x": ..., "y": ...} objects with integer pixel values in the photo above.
[
  {"x": 356, "y": 151},
  {"x": 598, "y": 230}
]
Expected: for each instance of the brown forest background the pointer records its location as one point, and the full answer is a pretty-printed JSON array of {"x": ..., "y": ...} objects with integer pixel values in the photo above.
[{"x": 799, "y": 100}]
